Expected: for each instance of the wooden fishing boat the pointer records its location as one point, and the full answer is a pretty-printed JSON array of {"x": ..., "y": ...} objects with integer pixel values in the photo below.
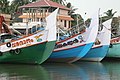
[
  {"x": 77, "y": 46},
  {"x": 101, "y": 46},
  {"x": 114, "y": 50},
  {"x": 33, "y": 48}
]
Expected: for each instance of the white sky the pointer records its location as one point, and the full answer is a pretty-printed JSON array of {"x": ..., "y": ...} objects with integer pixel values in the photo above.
[{"x": 89, "y": 6}]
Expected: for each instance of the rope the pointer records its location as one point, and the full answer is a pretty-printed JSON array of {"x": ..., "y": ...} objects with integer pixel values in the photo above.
[{"x": 107, "y": 28}]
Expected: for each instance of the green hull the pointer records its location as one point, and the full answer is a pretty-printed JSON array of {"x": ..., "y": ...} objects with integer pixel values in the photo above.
[
  {"x": 36, "y": 54},
  {"x": 114, "y": 51}
]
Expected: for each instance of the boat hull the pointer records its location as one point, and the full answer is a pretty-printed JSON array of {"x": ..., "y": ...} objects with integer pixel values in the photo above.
[
  {"x": 96, "y": 54},
  {"x": 101, "y": 46},
  {"x": 114, "y": 51},
  {"x": 70, "y": 55},
  {"x": 76, "y": 46},
  {"x": 35, "y": 54}
]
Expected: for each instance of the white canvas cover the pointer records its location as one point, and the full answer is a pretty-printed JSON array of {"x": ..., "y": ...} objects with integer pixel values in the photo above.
[{"x": 51, "y": 25}]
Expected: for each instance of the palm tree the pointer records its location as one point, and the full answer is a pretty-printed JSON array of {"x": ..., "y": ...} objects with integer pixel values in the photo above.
[
  {"x": 115, "y": 27},
  {"x": 4, "y": 6},
  {"x": 109, "y": 15},
  {"x": 16, "y": 3},
  {"x": 115, "y": 23},
  {"x": 77, "y": 17},
  {"x": 72, "y": 11},
  {"x": 60, "y": 1},
  {"x": 14, "y": 8},
  {"x": 78, "y": 20},
  {"x": 33, "y": 0}
]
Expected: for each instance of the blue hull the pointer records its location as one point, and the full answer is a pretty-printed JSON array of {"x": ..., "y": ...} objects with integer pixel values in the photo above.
[
  {"x": 70, "y": 55},
  {"x": 96, "y": 54}
]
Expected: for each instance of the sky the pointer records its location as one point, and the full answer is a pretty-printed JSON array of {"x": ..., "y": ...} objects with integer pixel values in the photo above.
[{"x": 90, "y": 6}]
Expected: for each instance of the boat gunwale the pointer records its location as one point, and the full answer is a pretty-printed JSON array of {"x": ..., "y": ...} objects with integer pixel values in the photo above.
[
  {"x": 21, "y": 38},
  {"x": 69, "y": 48}
]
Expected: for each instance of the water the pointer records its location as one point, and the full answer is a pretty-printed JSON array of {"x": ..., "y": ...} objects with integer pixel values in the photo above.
[{"x": 57, "y": 71}]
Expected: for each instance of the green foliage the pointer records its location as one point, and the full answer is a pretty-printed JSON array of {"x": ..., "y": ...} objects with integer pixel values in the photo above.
[
  {"x": 115, "y": 21},
  {"x": 109, "y": 15},
  {"x": 7, "y": 8},
  {"x": 73, "y": 15},
  {"x": 62, "y": 2},
  {"x": 4, "y": 6},
  {"x": 77, "y": 18},
  {"x": 72, "y": 11},
  {"x": 16, "y": 3},
  {"x": 115, "y": 27}
]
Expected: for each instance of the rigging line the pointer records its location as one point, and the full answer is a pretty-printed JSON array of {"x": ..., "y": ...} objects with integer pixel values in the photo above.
[{"x": 106, "y": 28}]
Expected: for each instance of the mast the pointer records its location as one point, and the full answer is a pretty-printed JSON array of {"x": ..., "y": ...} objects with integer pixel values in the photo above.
[
  {"x": 100, "y": 20},
  {"x": 77, "y": 24},
  {"x": 58, "y": 28},
  {"x": 0, "y": 31},
  {"x": 27, "y": 23}
]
